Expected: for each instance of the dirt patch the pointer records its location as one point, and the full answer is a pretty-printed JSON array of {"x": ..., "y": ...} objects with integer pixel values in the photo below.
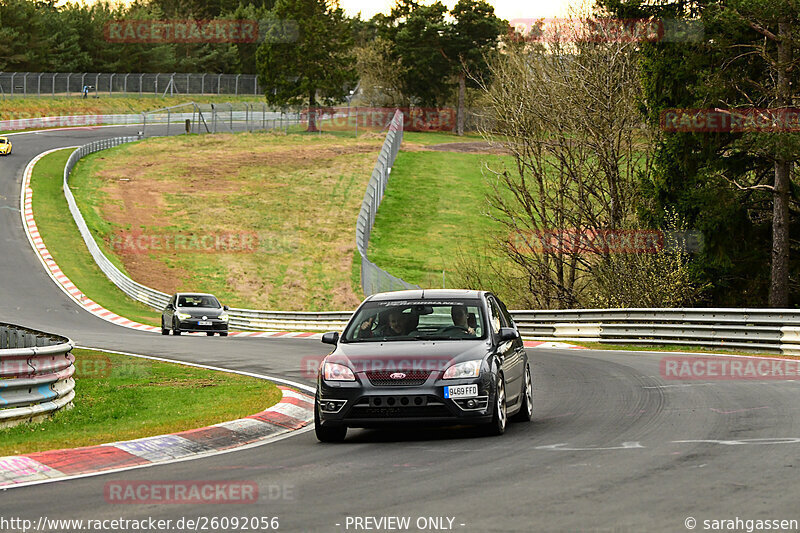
[
  {"x": 477, "y": 147},
  {"x": 299, "y": 194}
]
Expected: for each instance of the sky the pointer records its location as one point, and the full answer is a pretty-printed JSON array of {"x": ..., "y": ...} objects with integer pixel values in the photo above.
[{"x": 505, "y": 9}]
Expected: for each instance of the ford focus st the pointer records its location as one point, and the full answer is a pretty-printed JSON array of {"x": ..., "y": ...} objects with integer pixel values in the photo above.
[{"x": 433, "y": 357}]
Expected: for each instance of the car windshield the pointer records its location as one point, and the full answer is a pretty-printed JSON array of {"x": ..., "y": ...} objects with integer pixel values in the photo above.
[
  {"x": 417, "y": 320},
  {"x": 192, "y": 300}
]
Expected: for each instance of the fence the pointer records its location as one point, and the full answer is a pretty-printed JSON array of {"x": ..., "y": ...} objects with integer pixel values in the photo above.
[
  {"x": 373, "y": 278},
  {"x": 72, "y": 83},
  {"x": 203, "y": 118},
  {"x": 35, "y": 374},
  {"x": 225, "y": 117}
]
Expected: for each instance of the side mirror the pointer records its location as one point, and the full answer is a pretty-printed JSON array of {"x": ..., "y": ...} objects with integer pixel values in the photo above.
[
  {"x": 226, "y": 308},
  {"x": 330, "y": 338},
  {"x": 508, "y": 334}
]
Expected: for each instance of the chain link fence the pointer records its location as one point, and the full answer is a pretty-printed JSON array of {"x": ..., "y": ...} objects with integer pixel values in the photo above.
[
  {"x": 226, "y": 117},
  {"x": 373, "y": 278},
  {"x": 20, "y": 84}
]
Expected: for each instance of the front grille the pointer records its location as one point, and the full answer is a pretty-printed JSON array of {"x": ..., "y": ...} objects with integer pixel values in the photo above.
[{"x": 383, "y": 378}]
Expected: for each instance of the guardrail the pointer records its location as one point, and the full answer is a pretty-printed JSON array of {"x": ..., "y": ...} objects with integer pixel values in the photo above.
[
  {"x": 772, "y": 330},
  {"x": 36, "y": 371},
  {"x": 373, "y": 278}
]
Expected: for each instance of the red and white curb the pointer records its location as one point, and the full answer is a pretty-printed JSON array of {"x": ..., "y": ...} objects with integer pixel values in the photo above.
[
  {"x": 69, "y": 288},
  {"x": 293, "y": 412},
  {"x": 555, "y": 345}
]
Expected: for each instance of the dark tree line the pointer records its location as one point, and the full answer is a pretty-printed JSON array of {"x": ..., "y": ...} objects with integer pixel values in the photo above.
[
  {"x": 739, "y": 188},
  {"x": 39, "y": 36}
]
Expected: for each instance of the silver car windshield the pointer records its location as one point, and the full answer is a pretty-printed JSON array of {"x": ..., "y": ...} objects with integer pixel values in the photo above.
[
  {"x": 198, "y": 301},
  {"x": 417, "y": 320}
]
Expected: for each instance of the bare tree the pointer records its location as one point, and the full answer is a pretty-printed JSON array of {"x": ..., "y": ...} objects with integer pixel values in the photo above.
[{"x": 567, "y": 112}]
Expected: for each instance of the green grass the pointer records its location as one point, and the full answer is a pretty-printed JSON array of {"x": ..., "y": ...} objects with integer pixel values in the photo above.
[
  {"x": 65, "y": 244},
  {"x": 678, "y": 348},
  {"x": 434, "y": 207},
  {"x": 299, "y": 194},
  {"x": 121, "y": 398}
]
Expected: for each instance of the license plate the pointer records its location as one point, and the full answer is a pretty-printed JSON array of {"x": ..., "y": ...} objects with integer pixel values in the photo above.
[
  {"x": 204, "y": 323},
  {"x": 461, "y": 391}
]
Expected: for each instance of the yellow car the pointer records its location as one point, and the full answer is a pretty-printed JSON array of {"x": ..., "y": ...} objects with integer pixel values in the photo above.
[{"x": 5, "y": 146}]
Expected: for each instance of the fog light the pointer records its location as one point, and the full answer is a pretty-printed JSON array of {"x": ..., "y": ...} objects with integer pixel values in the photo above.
[
  {"x": 378, "y": 401},
  {"x": 417, "y": 401},
  {"x": 404, "y": 400},
  {"x": 471, "y": 403},
  {"x": 390, "y": 401},
  {"x": 331, "y": 406}
]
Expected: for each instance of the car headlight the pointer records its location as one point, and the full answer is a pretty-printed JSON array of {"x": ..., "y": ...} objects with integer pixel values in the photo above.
[
  {"x": 183, "y": 316},
  {"x": 467, "y": 369},
  {"x": 224, "y": 316},
  {"x": 337, "y": 372}
]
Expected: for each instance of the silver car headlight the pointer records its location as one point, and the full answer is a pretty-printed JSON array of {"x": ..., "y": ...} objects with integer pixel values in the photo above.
[{"x": 467, "y": 369}]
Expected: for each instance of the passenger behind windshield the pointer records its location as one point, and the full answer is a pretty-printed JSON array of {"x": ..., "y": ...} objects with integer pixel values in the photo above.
[{"x": 459, "y": 315}]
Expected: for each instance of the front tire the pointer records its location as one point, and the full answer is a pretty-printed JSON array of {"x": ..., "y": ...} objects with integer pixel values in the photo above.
[
  {"x": 175, "y": 329},
  {"x": 327, "y": 434},
  {"x": 525, "y": 413},
  {"x": 500, "y": 415},
  {"x": 164, "y": 330}
]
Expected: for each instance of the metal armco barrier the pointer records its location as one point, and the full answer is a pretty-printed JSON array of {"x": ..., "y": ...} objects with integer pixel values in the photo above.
[
  {"x": 772, "y": 330},
  {"x": 373, "y": 278},
  {"x": 36, "y": 371}
]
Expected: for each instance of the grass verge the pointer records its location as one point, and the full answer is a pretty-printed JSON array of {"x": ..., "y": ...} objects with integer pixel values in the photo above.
[
  {"x": 164, "y": 208},
  {"x": 122, "y": 398},
  {"x": 677, "y": 348},
  {"x": 434, "y": 208},
  {"x": 65, "y": 243}
]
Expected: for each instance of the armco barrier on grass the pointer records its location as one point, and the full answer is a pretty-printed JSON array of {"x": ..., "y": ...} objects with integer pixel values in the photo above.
[{"x": 36, "y": 371}]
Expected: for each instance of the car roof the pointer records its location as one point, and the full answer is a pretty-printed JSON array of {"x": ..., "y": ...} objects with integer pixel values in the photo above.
[
  {"x": 421, "y": 294},
  {"x": 193, "y": 294}
]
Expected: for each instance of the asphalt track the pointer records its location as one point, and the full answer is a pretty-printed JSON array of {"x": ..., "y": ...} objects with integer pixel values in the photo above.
[{"x": 602, "y": 454}]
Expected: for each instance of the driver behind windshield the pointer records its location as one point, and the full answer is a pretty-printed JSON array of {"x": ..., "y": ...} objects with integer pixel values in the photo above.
[{"x": 459, "y": 315}]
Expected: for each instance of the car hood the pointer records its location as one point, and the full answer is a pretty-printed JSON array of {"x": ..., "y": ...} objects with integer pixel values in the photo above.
[
  {"x": 209, "y": 312},
  {"x": 408, "y": 355}
]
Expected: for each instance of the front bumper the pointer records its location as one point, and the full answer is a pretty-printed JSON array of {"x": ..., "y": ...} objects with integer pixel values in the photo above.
[
  {"x": 362, "y": 404},
  {"x": 192, "y": 326}
]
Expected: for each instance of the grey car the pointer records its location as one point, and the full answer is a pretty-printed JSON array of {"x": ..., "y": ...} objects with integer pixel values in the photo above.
[{"x": 194, "y": 312}]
